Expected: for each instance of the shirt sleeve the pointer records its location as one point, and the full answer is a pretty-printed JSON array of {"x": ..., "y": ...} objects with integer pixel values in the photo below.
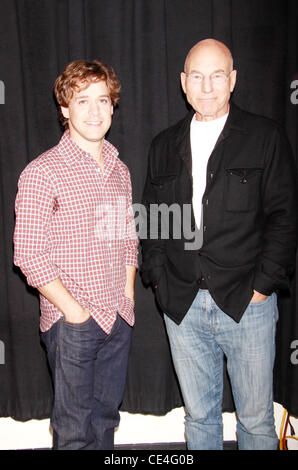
[
  {"x": 131, "y": 238},
  {"x": 32, "y": 242}
]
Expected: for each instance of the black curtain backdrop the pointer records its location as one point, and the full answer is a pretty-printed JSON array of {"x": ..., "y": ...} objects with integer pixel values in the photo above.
[{"x": 146, "y": 41}]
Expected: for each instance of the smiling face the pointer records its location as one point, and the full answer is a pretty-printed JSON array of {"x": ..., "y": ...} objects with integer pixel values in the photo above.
[
  {"x": 89, "y": 115},
  {"x": 208, "y": 98}
]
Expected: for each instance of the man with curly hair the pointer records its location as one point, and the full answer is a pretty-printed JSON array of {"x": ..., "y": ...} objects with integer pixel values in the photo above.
[{"x": 75, "y": 242}]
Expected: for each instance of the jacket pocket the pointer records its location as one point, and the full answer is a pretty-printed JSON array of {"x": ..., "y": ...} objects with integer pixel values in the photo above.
[
  {"x": 164, "y": 186},
  {"x": 242, "y": 189}
]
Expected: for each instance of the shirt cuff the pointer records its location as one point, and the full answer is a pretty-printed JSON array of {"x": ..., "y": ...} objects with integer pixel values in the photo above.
[
  {"x": 131, "y": 258},
  {"x": 38, "y": 272}
]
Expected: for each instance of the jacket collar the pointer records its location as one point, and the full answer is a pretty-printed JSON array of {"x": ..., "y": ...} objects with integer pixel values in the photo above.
[{"x": 234, "y": 123}]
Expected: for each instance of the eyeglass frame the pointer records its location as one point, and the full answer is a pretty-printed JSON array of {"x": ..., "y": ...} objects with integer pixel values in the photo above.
[{"x": 189, "y": 74}]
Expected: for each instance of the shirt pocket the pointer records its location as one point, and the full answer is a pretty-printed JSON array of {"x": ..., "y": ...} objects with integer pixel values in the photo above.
[{"x": 242, "y": 189}]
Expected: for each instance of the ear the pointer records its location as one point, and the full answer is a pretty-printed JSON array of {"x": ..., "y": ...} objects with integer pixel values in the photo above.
[
  {"x": 183, "y": 80},
  {"x": 233, "y": 77},
  {"x": 65, "y": 112}
]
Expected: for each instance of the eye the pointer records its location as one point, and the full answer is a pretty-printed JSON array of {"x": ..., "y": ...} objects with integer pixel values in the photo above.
[
  {"x": 82, "y": 102},
  {"x": 219, "y": 77},
  {"x": 104, "y": 100}
]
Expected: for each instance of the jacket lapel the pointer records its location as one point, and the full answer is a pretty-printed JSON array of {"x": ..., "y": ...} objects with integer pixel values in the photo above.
[
  {"x": 183, "y": 142},
  {"x": 233, "y": 124}
]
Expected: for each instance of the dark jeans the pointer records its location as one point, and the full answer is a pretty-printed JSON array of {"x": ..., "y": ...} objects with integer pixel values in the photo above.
[{"x": 89, "y": 372}]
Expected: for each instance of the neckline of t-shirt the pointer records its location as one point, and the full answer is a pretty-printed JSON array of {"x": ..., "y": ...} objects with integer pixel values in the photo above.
[{"x": 213, "y": 123}]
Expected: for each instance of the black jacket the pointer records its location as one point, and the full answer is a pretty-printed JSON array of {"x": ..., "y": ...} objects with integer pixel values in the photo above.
[{"x": 249, "y": 215}]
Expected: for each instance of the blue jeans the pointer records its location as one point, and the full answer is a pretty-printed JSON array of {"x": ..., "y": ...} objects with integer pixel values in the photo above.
[
  {"x": 89, "y": 373},
  {"x": 198, "y": 347}
]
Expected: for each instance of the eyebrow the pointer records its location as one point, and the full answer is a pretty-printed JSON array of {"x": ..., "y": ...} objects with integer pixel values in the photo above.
[
  {"x": 215, "y": 71},
  {"x": 79, "y": 97}
]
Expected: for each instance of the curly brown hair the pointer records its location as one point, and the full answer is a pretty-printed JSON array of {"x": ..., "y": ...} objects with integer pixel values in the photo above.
[{"x": 78, "y": 75}]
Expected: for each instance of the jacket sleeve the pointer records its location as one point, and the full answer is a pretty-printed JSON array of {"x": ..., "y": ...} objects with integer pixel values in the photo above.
[
  {"x": 279, "y": 198},
  {"x": 153, "y": 247}
]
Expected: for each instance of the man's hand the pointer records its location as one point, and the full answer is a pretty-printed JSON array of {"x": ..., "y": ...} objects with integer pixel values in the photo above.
[
  {"x": 58, "y": 295},
  {"x": 79, "y": 316},
  {"x": 258, "y": 297}
]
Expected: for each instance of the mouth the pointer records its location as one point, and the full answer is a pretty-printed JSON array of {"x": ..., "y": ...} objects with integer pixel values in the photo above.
[{"x": 93, "y": 123}]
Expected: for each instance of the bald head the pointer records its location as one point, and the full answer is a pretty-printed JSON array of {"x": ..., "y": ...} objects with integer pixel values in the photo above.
[
  {"x": 211, "y": 46},
  {"x": 209, "y": 79}
]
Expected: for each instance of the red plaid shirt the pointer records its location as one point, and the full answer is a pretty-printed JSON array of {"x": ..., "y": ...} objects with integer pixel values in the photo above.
[{"x": 75, "y": 222}]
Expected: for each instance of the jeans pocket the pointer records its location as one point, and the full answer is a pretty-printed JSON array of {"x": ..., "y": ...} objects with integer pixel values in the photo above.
[
  {"x": 77, "y": 325},
  {"x": 260, "y": 303}
]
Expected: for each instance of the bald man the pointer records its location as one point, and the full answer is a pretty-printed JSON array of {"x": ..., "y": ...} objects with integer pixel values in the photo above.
[{"x": 216, "y": 282}]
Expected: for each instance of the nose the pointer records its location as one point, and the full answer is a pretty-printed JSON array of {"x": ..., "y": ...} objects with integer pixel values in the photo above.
[
  {"x": 94, "y": 108},
  {"x": 207, "y": 86}
]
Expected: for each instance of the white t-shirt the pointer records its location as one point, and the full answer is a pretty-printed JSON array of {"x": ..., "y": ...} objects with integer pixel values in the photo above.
[{"x": 203, "y": 137}]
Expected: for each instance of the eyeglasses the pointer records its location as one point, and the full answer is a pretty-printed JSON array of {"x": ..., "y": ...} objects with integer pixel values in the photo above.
[{"x": 217, "y": 78}]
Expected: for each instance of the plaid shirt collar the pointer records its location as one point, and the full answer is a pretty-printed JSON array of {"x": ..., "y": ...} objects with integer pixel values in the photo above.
[{"x": 71, "y": 153}]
